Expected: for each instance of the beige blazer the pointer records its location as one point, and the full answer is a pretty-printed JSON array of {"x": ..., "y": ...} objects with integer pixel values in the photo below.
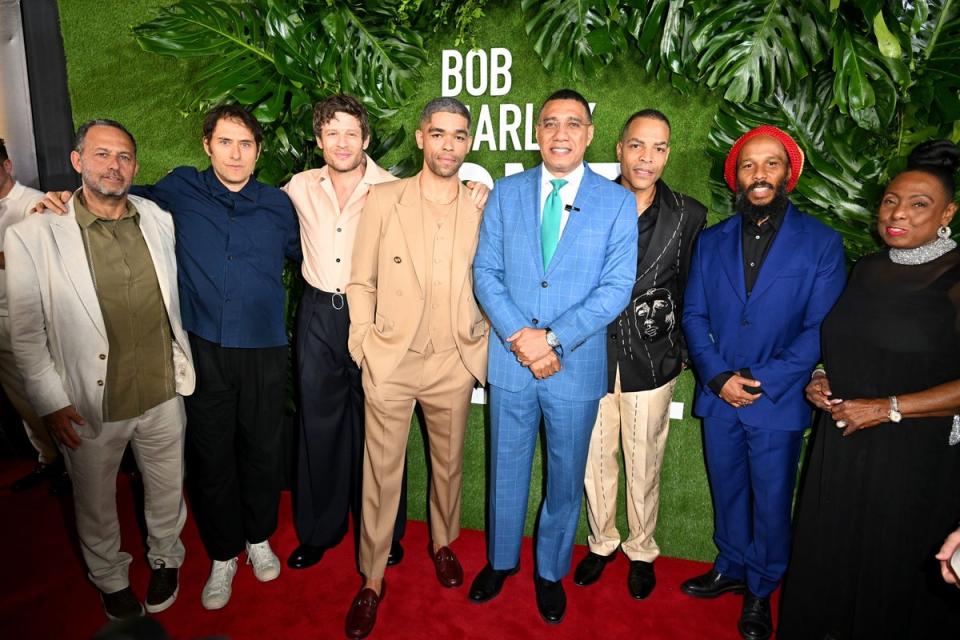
[
  {"x": 56, "y": 326},
  {"x": 386, "y": 290}
]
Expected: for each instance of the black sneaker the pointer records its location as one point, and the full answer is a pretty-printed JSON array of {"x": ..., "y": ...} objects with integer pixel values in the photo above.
[
  {"x": 121, "y": 605},
  {"x": 164, "y": 585}
]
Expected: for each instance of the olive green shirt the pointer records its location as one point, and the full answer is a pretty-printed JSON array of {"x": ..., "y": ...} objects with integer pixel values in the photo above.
[{"x": 140, "y": 366}]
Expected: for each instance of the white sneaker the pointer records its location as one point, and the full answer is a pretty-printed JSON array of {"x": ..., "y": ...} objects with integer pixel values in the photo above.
[
  {"x": 219, "y": 587},
  {"x": 266, "y": 564}
]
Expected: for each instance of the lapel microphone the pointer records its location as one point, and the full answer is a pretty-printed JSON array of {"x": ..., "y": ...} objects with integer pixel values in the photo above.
[{"x": 569, "y": 207}]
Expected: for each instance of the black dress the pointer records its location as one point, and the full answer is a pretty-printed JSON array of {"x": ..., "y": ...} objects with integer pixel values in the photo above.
[{"x": 876, "y": 506}]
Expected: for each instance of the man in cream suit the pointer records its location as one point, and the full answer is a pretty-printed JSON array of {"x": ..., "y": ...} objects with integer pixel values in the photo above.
[
  {"x": 418, "y": 335},
  {"x": 95, "y": 324}
]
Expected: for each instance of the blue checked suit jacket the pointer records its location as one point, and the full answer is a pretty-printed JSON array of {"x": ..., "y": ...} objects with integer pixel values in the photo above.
[{"x": 585, "y": 286}]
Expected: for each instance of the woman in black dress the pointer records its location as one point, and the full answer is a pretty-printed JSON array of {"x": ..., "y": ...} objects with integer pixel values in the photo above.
[{"x": 882, "y": 489}]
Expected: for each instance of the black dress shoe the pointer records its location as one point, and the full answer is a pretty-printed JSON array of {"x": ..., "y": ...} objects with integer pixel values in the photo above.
[
  {"x": 641, "y": 580},
  {"x": 37, "y": 475},
  {"x": 712, "y": 584},
  {"x": 591, "y": 568},
  {"x": 306, "y": 555},
  {"x": 396, "y": 554},
  {"x": 755, "y": 622},
  {"x": 551, "y": 600},
  {"x": 488, "y": 583}
]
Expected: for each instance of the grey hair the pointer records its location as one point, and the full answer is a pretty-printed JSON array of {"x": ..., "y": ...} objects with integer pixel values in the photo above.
[{"x": 81, "y": 136}]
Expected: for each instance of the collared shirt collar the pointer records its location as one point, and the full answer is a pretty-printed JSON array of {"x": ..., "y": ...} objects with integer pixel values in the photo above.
[
  {"x": 250, "y": 191},
  {"x": 774, "y": 220},
  {"x": 85, "y": 217},
  {"x": 15, "y": 192},
  {"x": 573, "y": 179}
]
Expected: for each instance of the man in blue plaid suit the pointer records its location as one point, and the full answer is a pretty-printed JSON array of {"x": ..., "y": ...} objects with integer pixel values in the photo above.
[{"x": 554, "y": 266}]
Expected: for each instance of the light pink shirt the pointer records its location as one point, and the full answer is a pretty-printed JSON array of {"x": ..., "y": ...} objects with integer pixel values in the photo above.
[{"x": 326, "y": 232}]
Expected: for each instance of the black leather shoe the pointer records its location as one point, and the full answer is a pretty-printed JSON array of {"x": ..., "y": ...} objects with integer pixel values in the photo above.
[
  {"x": 712, "y": 584},
  {"x": 396, "y": 554},
  {"x": 551, "y": 600},
  {"x": 755, "y": 622},
  {"x": 121, "y": 605},
  {"x": 591, "y": 568},
  {"x": 488, "y": 583},
  {"x": 37, "y": 475},
  {"x": 306, "y": 555},
  {"x": 641, "y": 580}
]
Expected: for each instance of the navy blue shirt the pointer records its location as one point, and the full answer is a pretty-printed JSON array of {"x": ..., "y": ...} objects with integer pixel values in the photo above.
[{"x": 230, "y": 255}]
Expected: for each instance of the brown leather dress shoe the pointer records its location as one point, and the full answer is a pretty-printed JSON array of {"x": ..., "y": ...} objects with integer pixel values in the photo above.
[
  {"x": 363, "y": 612},
  {"x": 449, "y": 571}
]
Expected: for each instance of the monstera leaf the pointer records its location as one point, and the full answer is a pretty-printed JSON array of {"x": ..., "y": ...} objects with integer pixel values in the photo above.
[
  {"x": 278, "y": 57},
  {"x": 573, "y": 37},
  {"x": 751, "y": 48}
]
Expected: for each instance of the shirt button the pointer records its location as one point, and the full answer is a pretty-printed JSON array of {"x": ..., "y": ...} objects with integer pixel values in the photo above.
[
  {"x": 338, "y": 289},
  {"x": 752, "y": 264},
  {"x": 339, "y": 230},
  {"x": 544, "y": 284},
  {"x": 745, "y": 322},
  {"x": 103, "y": 356},
  {"x": 535, "y": 321},
  {"x": 758, "y": 237},
  {"x": 229, "y": 257},
  {"x": 99, "y": 383},
  {"x": 338, "y": 259}
]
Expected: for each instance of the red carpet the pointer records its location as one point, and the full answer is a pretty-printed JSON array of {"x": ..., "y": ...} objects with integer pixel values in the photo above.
[{"x": 45, "y": 593}]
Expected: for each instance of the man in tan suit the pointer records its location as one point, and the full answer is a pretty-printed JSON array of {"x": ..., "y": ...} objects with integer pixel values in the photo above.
[{"x": 418, "y": 335}]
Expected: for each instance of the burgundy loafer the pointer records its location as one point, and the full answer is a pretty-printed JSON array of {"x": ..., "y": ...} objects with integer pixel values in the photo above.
[
  {"x": 449, "y": 571},
  {"x": 363, "y": 612}
]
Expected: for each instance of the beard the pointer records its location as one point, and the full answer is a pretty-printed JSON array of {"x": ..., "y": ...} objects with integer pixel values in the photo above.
[
  {"x": 757, "y": 212},
  {"x": 93, "y": 182}
]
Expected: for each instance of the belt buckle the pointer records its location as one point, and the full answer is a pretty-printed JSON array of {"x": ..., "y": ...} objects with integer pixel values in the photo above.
[{"x": 337, "y": 301}]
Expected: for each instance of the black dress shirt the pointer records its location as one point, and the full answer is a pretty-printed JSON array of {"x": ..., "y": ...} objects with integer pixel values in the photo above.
[
  {"x": 231, "y": 248},
  {"x": 756, "y": 241}
]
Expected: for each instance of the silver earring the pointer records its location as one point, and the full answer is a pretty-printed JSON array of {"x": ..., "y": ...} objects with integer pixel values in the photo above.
[{"x": 944, "y": 232}]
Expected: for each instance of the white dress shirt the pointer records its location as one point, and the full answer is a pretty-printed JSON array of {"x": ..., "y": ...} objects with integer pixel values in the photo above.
[{"x": 568, "y": 192}]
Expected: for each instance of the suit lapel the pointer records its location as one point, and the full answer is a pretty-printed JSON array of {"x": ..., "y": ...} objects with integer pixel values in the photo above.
[
  {"x": 731, "y": 256},
  {"x": 780, "y": 251},
  {"x": 578, "y": 217},
  {"x": 530, "y": 210},
  {"x": 67, "y": 235},
  {"x": 410, "y": 214}
]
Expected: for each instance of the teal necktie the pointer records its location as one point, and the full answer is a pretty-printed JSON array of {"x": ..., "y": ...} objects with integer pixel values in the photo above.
[{"x": 550, "y": 224}]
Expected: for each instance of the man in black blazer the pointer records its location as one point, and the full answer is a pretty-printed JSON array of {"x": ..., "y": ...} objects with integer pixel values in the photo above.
[{"x": 645, "y": 354}]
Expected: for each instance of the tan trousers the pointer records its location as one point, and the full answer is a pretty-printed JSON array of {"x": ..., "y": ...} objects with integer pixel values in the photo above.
[
  {"x": 442, "y": 386},
  {"x": 641, "y": 421},
  {"x": 12, "y": 383},
  {"x": 156, "y": 437}
]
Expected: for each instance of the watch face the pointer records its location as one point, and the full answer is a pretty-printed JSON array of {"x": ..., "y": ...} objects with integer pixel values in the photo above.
[
  {"x": 552, "y": 339},
  {"x": 894, "y": 416}
]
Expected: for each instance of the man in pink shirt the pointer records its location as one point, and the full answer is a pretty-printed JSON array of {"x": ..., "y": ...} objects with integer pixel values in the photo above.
[{"x": 328, "y": 202}]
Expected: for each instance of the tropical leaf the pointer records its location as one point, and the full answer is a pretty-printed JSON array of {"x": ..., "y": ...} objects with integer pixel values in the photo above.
[
  {"x": 573, "y": 37},
  {"x": 751, "y": 48}
]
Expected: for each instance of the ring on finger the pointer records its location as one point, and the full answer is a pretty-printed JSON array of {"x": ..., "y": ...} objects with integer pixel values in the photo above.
[{"x": 841, "y": 424}]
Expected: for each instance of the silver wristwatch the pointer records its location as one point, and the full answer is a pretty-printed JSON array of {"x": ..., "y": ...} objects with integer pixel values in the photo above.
[
  {"x": 894, "y": 414},
  {"x": 552, "y": 339}
]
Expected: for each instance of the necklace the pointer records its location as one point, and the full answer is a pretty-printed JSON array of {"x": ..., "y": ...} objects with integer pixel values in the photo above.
[{"x": 923, "y": 253}]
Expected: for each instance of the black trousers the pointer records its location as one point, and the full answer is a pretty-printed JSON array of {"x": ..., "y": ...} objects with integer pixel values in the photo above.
[
  {"x": 330, "y": 467},
  {"x": 233, "y": 444}
]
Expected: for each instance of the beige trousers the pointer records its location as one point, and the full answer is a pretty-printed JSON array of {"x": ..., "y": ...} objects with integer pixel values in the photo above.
[
  {"x": 12, "y": 383},
  {"x": 442, "y": 386},
  {"x": 641, "y": 421},
  {"x": 156, "y": 437}
]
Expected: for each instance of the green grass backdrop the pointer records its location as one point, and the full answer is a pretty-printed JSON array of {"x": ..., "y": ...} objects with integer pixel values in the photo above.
[{"x": 109, "y": 76}]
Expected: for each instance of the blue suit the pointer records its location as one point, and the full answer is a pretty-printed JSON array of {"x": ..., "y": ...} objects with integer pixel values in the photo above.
[
  {"x": 585, "y": 286},
  {"x": 752, "y": 452}
]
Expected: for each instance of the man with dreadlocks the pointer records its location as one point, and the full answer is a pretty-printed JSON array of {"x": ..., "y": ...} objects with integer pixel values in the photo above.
[{"x": 760, "y": 284}]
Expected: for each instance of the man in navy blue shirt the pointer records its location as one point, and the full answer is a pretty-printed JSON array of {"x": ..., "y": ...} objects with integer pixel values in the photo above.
[{"x": 233, "y": 235}]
